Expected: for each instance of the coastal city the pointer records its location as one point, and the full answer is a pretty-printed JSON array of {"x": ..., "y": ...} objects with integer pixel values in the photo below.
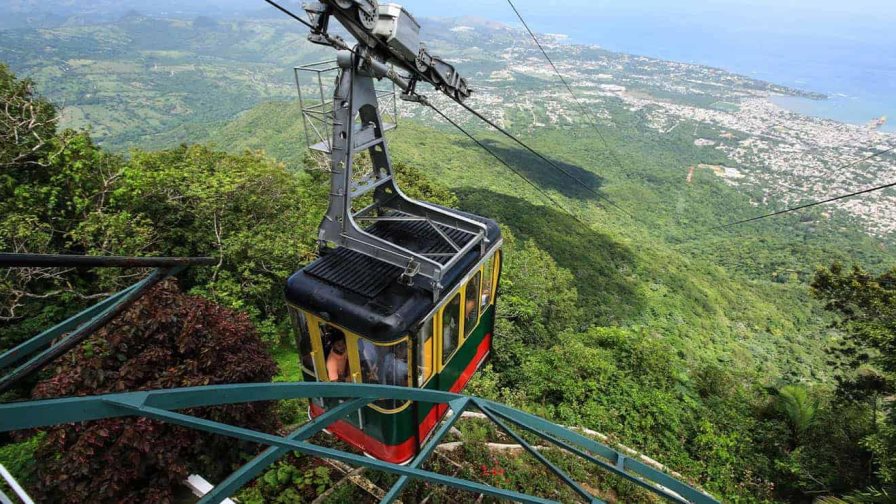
[{"x": 786, "y": 157}]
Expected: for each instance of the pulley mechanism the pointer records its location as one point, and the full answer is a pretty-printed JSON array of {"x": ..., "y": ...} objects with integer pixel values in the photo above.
[{"x": 388, "y": 34}]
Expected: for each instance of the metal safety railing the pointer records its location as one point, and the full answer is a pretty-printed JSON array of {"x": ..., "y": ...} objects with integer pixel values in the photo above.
[
  {"x": 316, "y": 103},
  {"x": 16, "y": 489},
  {"x": 163, "y": 405}
]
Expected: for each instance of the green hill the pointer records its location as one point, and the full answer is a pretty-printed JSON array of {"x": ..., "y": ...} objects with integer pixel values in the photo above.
[
  {"x": 662, "y": 273},
  {"x": 652, "y": 324}
]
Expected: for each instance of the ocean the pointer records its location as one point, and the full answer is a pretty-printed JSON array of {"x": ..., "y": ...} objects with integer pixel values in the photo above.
[
  {"x": 845, "y": 50},
  {"x": 858, "y": 76}
]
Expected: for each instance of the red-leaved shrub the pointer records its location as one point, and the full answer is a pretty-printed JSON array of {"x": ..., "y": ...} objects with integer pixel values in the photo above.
[{"x": 166, "y": 339}]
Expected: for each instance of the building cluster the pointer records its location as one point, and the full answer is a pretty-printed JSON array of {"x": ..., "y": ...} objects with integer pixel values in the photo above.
[{"x": 787, "y": 157}]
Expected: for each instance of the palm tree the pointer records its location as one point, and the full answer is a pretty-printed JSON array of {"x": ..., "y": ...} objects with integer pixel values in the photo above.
[{"x": 799, "y": 408}]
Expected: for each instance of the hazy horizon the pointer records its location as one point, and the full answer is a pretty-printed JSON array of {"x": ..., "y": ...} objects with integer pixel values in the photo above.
[{"x": 842, "y": 49}]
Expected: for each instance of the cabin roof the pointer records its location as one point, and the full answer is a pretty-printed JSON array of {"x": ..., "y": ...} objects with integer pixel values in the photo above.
[{"x": 365, "y": 295}]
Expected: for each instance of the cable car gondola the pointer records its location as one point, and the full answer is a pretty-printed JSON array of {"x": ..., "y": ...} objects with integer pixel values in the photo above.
[
  {"x": 404, "y": 291},
  {"x": 392, "y": 333}
]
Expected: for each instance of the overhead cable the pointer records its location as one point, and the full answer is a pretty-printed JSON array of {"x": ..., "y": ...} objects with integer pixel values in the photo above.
[
  {"x": 506, "y": 164},
  {"x": 499, "y": 128},
  {"x": 540, "y": 156},
  {"x": 589, "y": 116},
  {"x": 822, "y": 202},
  {"x": 290, "y": 14}
]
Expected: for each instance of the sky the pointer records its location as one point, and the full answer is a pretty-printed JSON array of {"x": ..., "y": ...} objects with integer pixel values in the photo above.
[{"x": 850, "y": 19}]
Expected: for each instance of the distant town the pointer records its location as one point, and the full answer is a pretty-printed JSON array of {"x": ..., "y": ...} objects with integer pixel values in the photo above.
[{"x": 786, "y": 157}]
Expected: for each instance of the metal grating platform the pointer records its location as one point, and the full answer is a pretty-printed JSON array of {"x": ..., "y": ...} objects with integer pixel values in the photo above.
[
  {"x": 367, "y": 276},
  {"x": 419, "y": 236},
  {"x": 355, "y": 272}
]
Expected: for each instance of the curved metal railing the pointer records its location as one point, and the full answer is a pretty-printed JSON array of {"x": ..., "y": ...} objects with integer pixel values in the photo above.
[{"x": 164, "y": 404}]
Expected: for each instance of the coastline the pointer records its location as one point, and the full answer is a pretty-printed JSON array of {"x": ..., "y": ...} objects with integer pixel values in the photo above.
[{"x": 841, "y": 108}]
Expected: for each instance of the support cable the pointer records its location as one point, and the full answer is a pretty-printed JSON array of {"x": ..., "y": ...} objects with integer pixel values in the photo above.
[
  {"x": 801, "y": 207},
  {"x": 822, "y": 202},
  {"x": 493, "y": 125},
  {"x": 290, "y": 14},
  {"x": 540, "y": 156},
  {"x": 506, "y": 164},
  {"x": 613, "y": 154},
  {"x": 589, "y": 116}
]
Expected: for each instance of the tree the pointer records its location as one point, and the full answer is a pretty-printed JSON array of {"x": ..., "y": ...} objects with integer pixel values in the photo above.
[
  {"x": 538, "y": 301},
  {"x": 866, "y": 358},
  {"x": 49, "y": 180},
  {"x": 166, "y": 339},
  {"x": 869, "y": 496},
  {"x": 27, "y": 124},
  {"x": 256, "y": 217},
  {"x": 798, "y": 407}
]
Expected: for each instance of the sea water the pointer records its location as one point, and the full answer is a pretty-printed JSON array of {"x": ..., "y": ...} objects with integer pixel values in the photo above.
[{"x": 845, "y": 50}]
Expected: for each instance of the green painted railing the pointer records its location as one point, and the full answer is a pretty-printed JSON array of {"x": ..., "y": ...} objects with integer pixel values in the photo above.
[{"x": 163, "y": 405}]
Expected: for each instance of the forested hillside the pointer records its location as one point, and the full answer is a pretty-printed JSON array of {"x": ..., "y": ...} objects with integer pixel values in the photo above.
[
  {"x": 739, "y": 357},
  {"x": 745, "y": 304}
]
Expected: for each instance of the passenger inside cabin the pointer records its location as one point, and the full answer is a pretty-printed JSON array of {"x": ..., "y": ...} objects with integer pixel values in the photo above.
[
  {"x": 394, "y": 371},
  {"x": 450, "y": 327},
  {"x": 368, "y": 356},
  {"x": 486, "y": 294},
  {"x": 337, "y": 360},
  {"x": 472, "y": 313}
]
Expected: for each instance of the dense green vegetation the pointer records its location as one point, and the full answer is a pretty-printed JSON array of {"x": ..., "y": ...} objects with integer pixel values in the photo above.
[
  {"x": 703, "y": 348},
  {"x": 162, "y": 341},
  {"x": 137, "y": 77}
]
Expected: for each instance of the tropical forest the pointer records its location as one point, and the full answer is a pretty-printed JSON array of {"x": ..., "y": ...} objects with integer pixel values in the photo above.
[{"x": 755, "y": 362}]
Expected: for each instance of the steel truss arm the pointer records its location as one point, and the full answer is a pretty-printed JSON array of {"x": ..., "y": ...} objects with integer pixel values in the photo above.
[
  {"x": 310, "y": 449},
  {"x": 81, "y": 326},
  {"x": 457, "y": 408},
  {"x": 541, "y": 458},
  {"x": 358, "y": 128},
  {"x": 159, "y": 404},
  {"x": 245, "y": 474}
]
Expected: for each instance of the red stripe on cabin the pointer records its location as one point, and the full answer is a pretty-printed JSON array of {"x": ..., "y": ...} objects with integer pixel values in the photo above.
[
  {"x": 471, "y": 368},
  {"x": 436, "y": 413},
  {"x": 396, "y": 454}
]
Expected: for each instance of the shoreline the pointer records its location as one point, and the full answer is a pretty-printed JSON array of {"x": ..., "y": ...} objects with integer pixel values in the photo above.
[{"x": 843, "y": 109}]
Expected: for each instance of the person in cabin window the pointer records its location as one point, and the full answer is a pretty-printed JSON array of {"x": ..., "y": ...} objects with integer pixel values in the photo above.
[
  {"x": 394, "y": 370},
  {"x": 337, "y": 361},
  {"x": 486, "y": 295},
  {"x": 369, "y": 357},
  {"x": 472, "y": 313}
]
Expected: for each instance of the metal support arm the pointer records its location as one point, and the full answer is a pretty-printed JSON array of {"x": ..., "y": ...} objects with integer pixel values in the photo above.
[{"x": 357, "y": 128}]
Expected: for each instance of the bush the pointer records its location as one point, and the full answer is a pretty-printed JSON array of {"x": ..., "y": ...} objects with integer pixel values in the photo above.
[
  {"x": 18, "y": 458},
  {"x": 166, "y": 339},
  {"x": 289, "y": 481}
]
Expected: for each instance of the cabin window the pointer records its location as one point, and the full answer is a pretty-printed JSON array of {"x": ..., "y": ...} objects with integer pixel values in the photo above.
[
  {"x": 488, "y": 280},
  {"x": 450, "y": 327},
  {"x": 303, "y": 340},
  {"x": 339, "y": 366},
  {"x": 471, "y": 304},
  {"x": 385, "y": 364},
  {"x": 424, "y": 352}
]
